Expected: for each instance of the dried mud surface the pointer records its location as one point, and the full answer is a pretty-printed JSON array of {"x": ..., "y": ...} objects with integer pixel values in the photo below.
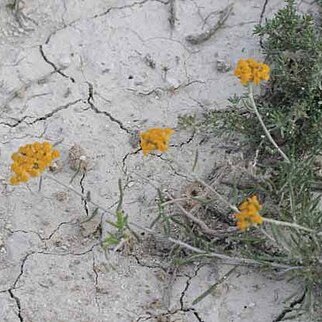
[{"x": 93, "y": 73}]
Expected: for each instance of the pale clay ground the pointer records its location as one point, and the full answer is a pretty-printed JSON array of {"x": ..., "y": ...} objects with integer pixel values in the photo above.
[{"x": 52, "y": 53}]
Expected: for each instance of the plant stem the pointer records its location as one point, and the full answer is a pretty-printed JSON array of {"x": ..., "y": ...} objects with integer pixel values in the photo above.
[
  {"x": 235, "y": 260},
  {"x": 252, "y": 101},
  {"x": 287, "y": 224},
  {"x": 185, "y": 172},
  {"x": 214, "y": 191},
  {"x": 244, "y": 261}
]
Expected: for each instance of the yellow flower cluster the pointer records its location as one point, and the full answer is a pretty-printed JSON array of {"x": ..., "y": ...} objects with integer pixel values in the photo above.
[
  {"x": 155, "y": 139},
  {"x": 31, "y": 160},
  {"x": 251, "y": 71},
  {"x": 248, "y": 215}
]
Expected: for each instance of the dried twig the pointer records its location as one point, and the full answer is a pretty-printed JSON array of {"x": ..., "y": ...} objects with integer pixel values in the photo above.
[
  {"x": 204, "y": 36},
  {"x": 198, "y": 221}
]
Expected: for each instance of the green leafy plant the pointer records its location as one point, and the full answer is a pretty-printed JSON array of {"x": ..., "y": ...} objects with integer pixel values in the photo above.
[
  {"x": 121, "y": 233},
  {"x": 291, "y": 102}
]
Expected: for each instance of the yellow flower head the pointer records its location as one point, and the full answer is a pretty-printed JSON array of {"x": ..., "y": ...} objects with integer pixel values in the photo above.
[
  {"x": 31, "y": 160},
  {"x": 248, "y": 215},
  {"x": 155, "y": 139},
  {"x": 251, "y": 71}
]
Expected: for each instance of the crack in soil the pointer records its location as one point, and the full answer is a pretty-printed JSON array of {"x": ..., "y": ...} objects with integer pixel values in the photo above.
[
  {"x": 42, "y": 118},
  {"x": 71, "y": 222},
  {"x": 14, "y": 124},
  {"x": 172, "y": 14},
  {"x": 189, "y": 140},
  {"x": 148, "y": 265},
  {"x": 52, "y": 113},
  {"x": 170, "y": 89},
  {"x": 96, "y": 280},
  {"x": 107, "y": 11},
  {"x": 22, "y": 266},
  {"x": 56, "y": 69},
  {"x": 26, "y": 232},
  {"x": 196, "y": 314},
  {"x": 261, "y": 17},
  {"x": 170, "y": 313},
  {"x": 18, "y": 304},
  {"x": 13, "y": 287},
  {"x": 183, "y": 294},
  {"x": 124, "y": 168},
  {"x": 23, "y": 262},
  {"x": 90, "y": 100},
  {"x": 290, "y": 308},
  {"x": 73, "y": 22},
  {"x": 70, "y": 253},
  {"x": 44, "y": 239},
  {"x": 84, "y": 200},
  {"x": 70, "y": 24},
  {"x": 128, "y": 6},
  {"x": 188, "y": 282}
]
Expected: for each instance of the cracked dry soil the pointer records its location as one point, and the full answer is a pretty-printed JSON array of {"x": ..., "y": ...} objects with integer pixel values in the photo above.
[{"x": 94, "y": 73}]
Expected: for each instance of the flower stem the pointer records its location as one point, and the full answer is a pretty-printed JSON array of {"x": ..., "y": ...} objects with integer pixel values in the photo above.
[
  {"x": 186, "y": 172},
  {"x": 287, "y": 224},
  {"x": 252, "y": 101}
]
